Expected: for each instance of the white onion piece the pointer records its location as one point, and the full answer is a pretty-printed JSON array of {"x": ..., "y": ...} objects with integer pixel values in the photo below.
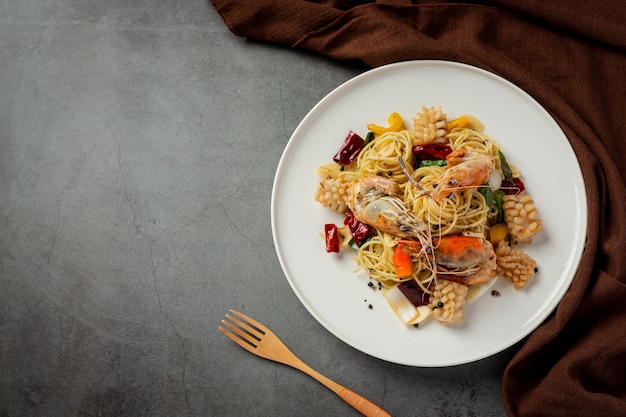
[
  {"x": 403, "y": 308},
  {"x": 495, "y": 180}
]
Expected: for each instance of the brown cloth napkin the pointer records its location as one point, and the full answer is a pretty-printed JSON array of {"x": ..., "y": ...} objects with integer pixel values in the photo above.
[{"x": 571, "y": 57}]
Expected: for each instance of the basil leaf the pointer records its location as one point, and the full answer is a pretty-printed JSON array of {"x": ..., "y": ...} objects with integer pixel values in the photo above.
[
  {"x": 498, "y": 199},
  {"x": 487, "y": 192},
  {"x": 432, "y": 163}
]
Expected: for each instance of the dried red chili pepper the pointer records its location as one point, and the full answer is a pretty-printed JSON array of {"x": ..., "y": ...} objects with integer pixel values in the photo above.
[
  {"x": 512, "y": 187},
  {"x": 350, "y": 149},
  {"x": 360, "y": 231},
  {"x": 431, "y": 151},
  {"x": 332, "y": 238}
]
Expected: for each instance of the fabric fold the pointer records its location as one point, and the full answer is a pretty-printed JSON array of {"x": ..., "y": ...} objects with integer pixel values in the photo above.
[
  {"x": 570, "y": 56},
  {"x": 276, "y": 23}
]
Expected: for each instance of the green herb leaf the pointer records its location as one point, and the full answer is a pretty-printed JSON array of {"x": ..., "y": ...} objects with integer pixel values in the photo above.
[
  {"x": 487, "y": 192},
  {"x": 506, "y": 169},
  {"x": 498, "y": 199},
  {"x": 432, "y": 163},
  {"x": 353, "y": 244}
]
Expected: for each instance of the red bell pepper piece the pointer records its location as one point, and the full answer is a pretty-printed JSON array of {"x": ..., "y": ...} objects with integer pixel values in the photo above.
[{"x": 403, "y": 262}]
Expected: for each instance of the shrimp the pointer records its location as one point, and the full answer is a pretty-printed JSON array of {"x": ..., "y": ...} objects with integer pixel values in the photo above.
[
  {"x": 467, "y": 168},
  {"x": 462, "y": 259},
  {"x": 466, "y": 260},
  {"x": 375, "y": 201}
]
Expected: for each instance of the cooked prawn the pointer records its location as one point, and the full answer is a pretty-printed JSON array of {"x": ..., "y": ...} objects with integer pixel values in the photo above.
[
  {"x": 376, "y": 201},
  {"x": 466, "y": 169},
  {"x": 466, "y": 260},
  {"x": 463, "y": 259}
]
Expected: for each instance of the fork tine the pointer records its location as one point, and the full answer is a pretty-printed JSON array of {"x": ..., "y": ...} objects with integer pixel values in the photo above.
[
  {"x": 244, "y": 330},
  {"x": 247, "y": 335},
  {"x": 242, "y": 333},
  {"x": 254, "y": 323},
  {"x": 261, "y": 341},
  {"x": 241, "y": 342}
]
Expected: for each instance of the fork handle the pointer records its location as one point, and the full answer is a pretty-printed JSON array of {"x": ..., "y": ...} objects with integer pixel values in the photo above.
[{"x": 362, "y": 404}]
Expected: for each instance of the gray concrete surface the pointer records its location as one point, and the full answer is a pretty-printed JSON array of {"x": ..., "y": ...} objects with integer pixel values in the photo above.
[{"x": 138, "y": 145}]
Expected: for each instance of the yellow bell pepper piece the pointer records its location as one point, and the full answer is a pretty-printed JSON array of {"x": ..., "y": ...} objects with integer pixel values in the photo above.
[
  {"x": 395, "y": 125},
  {"x": 466, "y": 121},
  {"x": 458, "y": 122},
  {"x": 498, "y": 233}
]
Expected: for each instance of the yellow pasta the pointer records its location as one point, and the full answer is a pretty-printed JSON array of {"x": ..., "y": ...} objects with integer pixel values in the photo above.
[
  {"x": 433, "y": 217},
  {"x": 380, "y": 157}
]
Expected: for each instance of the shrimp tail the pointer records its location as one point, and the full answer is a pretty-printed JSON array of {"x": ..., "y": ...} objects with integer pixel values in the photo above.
[
  {"x": 410, "y": 177},
  {"x": 467, "y": 169}
]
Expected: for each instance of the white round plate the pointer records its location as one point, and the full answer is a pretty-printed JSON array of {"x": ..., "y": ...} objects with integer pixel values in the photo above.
[{"x": 340, "y": 299}]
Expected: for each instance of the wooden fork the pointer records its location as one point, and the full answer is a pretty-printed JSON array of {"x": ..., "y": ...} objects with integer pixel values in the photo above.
[{"x": 258, "y": 339}]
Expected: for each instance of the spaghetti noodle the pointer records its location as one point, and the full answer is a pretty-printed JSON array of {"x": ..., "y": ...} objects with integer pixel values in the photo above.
[{"x": 437, "y": 210}]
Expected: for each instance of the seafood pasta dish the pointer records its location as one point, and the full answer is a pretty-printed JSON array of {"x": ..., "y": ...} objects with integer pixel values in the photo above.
[{"x": 432, "y": 211}]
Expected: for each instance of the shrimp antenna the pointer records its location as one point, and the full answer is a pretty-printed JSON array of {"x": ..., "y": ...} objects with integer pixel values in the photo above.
[{"x": 409, "y": 176}]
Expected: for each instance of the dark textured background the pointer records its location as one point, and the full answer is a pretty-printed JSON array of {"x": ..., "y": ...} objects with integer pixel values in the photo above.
[{"x": 138, "y": 145}]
